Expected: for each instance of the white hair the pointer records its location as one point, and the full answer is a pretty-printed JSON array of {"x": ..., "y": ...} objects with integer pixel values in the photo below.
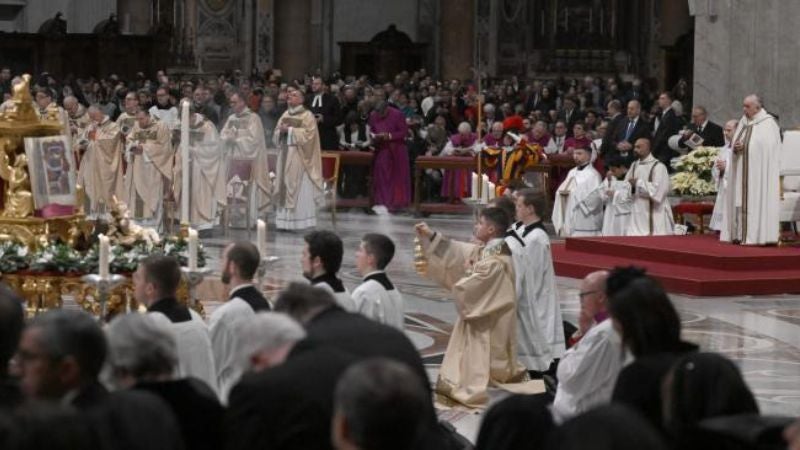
[
  {"x": 265, "y": 332},
  {"x": 488, "y": 107},
  {"x": 141, "y": 345},
  {"x": 464, "y": 127}
]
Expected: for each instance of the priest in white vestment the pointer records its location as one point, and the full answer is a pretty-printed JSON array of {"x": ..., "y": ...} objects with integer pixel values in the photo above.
[
  {"x": 720, "y": 175},
  {"x": 243, "y": 140},
  {"x": 752, "y": 214},
  {"x": 155, "y": 285},
  {"x": 240, "y": 263},
  {"x": 150, "y": 171},
  {"x": 651, "y": 212},
  {"x": 207, "y": 183},
  {"x": 376, "y": 297},
  {"x": 588, "y": 371},
  {"x": 299, "y": 188},
  {"x": 578, "y": 208},
  {"x": 616, "y": 194},
  {"x": 321, "y": 260},
  {"x": 540, "y": 336},
  {"x": 127, "y": 118},
  {"x": 482, "y": 350},
  {"x": 165, "y": 112},
  {"x": 100, "y": 172}
]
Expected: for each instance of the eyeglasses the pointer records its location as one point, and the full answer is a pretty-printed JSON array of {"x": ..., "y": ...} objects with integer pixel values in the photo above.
[{"x": 581, "y": 295}]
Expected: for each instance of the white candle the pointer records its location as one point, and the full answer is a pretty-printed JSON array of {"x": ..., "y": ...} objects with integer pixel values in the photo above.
[
  {"x": 103, "y": 257},
  {"x": 185, "y": 162},
  {"x": 492, "y": 194},
  {"x": 474, "y": 186},
  {"x": 261, "y": 237},
  {"x": 485, "y": 189},
  {"x": 193, "y": 243}
]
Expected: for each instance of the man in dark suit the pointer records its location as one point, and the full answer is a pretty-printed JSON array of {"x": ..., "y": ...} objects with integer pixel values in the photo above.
[
  {"x": 60, "y": 356},
  {"x": 286, "y": 401},
  {"x": 710, "y": 132},
  {"x": 570, "y": 114},
  {"x": 329, "y": 325},
  {"x": 325, "y": 108},
  {"x": 631, "y": 128},
  {"x": 615, "y": 119},
  {"x": 667, "y": 125}
]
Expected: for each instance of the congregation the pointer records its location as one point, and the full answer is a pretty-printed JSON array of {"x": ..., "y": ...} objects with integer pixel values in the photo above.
[{"x": 323, "y": 367}]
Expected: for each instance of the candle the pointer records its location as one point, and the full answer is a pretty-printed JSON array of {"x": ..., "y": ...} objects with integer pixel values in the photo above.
[
  {"x": 185, "y": 162},
  {"x": 474, "y": 190},
  {"x": 485, "y": 189},
  {"x": 492, "y": 194},
  {"x": 193, "y": 243},
  {"x": 261, "y": 237},
  {"x": 103, "y": 256}
]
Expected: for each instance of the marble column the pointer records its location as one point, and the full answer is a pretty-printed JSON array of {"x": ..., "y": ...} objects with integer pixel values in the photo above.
[
  {"x": 743, "y": 47},
  {"x": 293, "y": 42},
  {"x": 456, "y": 38}
]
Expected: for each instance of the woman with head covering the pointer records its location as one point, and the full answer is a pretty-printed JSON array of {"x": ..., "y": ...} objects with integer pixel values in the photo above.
[
  {"x": 610, "y": 427},
  {"x": 518, "y": 421}
]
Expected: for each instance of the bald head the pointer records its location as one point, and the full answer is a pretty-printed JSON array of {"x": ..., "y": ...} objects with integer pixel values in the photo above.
[
  {"x": 729, "y": 129},
  {"x": 593, "y": 293},
  {"x": 642, "y": 148}
]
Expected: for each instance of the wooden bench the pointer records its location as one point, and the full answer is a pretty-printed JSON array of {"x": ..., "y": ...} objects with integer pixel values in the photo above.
[{"x": 440, "y": 162}]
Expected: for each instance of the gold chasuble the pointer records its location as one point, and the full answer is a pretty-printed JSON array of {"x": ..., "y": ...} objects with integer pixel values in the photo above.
[
  {"x": 149, "y": 172},
  {"x": 301, "y": 154},
  {"x": 101, "y": 167},
  {"x": 482, "y": 350}
]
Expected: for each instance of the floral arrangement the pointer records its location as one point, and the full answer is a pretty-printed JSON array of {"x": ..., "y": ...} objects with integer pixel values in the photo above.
[
  {"x": 56, "y": 257},
  {"x": 13, "y": 256},
  {"x": 123, "y": 259},
  {"x": 693, "y": 176},
  {"x": 179, "y": 248}
]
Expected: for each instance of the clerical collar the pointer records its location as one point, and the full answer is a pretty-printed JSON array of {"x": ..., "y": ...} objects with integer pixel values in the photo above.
[
  {"x": 380, "y": 277},
  {"x": 532, "y": 226},
  {"x": 513, "y": 234},
  {"x": 601, "y": 316},
  {"x": 164, "y": 107},
  {"x": 330, "y": 280},
  {"x": 170, "y": 307},
  {"x": 518, "y": 224},
  {"x": 233, "y": 291},
  {"x": 582, "y": 167}
]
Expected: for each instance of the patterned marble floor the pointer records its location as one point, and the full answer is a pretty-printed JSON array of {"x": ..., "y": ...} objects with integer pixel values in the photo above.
[{"x": 762, "y": 334}]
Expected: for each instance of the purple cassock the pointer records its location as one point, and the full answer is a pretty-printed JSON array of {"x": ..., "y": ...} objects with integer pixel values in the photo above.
[
  {"x": 391, "y": 179},
  {"x": 457, "y": 184}
]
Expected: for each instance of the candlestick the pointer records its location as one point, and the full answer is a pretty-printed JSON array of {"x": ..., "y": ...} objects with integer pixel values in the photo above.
[
  {"x": 185, "y": 162},
  {"x": 103, "y": 287},
  {"x": 266, "y": 262},
  {"x": 103, "y": 256},
  {"x": 193, "y": 244},
  {"x": 194, "y": 276},
  {"x": 261, "y": 237}
]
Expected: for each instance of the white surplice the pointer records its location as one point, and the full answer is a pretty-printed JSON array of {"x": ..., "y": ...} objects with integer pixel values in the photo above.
[
  {"x": 588, "y": 372},
  {"x": 617, "y": 214},
  {"x": 721, "y": 182},
  {"x": 343, "y": 299},
  {"x": 223, "y": 329},
  {"x": 195, "y": 358},
  {"x": 651, "y": 212},
  {"x": 578, "y": 208},
  {"x": 540, "y": 330},
  {"x": 752, "y": 207},
  {"x": 375, "y": 300}
]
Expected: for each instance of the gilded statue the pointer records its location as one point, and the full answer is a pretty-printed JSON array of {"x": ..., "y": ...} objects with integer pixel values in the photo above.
[
  {"x": 19, "y": 200},
  {"x": 124, "y": 231},
  {"x": 22, "y": 103}
]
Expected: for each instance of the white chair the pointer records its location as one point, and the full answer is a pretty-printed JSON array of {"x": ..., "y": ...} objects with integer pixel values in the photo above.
[{"x": 790, "y": 178}]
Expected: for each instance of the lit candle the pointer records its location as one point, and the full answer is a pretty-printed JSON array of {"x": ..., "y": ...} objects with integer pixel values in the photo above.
[
  {"x": 185, "y": 162},
  {"x": 103, "y": 257},
  {"x": 193, "y": 243},
  {"x": 474, "y": 190},
  {"x": 261, "y": 237}
]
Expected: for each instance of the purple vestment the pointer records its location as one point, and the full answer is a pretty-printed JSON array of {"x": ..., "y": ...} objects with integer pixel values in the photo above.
[{"x": 391, "y": 182}]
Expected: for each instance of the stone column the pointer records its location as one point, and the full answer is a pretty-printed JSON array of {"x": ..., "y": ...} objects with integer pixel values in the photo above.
[
  {"x": 456, "y": 38},
  {"x": 293, "y": 37},
  {"x": 137, "y": 13},
  {"x": 743, "y": 47}
]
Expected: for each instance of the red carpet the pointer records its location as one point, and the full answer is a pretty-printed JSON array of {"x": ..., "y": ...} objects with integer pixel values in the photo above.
[{"x": 695, "y": 265}]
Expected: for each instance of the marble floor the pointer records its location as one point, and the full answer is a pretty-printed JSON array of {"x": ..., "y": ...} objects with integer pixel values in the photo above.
[{"x": 761, "y": 334}]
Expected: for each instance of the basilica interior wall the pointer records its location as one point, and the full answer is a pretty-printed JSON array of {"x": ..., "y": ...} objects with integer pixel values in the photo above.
[{"x": 743, "y": 47}]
